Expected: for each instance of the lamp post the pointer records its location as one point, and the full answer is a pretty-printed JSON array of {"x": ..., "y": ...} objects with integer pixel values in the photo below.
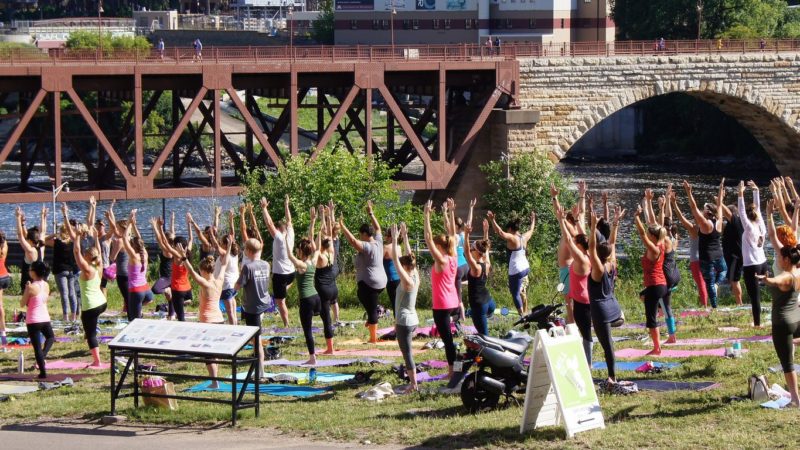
[
  {"x": 391, "y": 25},
  {"x": 57, "y": 190},
  {"x": 699, "y": 17},
  {"x": 99, "y": 29},
  {"x": 291, "y": 32}
]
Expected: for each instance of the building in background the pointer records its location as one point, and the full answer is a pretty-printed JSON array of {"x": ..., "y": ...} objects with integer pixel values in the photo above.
[
  {"x": 472, "y": 21},
  {"x": 156, "y": 20}
]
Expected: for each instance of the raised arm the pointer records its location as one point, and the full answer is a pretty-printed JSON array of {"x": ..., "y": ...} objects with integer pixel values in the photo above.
[
  {"x": 640, "y": 228},
  {"x": 26, "y": 246},
  {"x": 375, "y": 224},
  {"x": 435, "y": 253},
  {"x": 684, "y": 221},
  {"x": 720, "y": 205},
  {"x": 254, "y": 223},
  {"x": 180, "y": 253},
  {"x": 508, "y": 237},
  {"x": 126, "y": 244},
  {"x": 703, "y": 223},
  {"x": 580, "y": 217},
  {"x": 647, "y": 202},
  {"x": 746, "y": 224},
  {"x": 405, "y": 277},
  {"x": 473, "y": 265},
  {"x": 354, "y": 242},
  {"x": 597, "y": 266},
  {"x": 200, "y": 235},
  {"x": 43, "y": 221},
  {"x": 312, "y": 223},
  {"x": 406, "y": 241},
  {"x": 472, "y": 204},
  {"x": 790, "y": 188},
  {"x": 243, "y": 222},
  {"x": 267, "y": 217},
  {"x": 619, "y": 213},
  {"x": 528, "y": 234},
  {"x": 298, "y": 264},
  {"x": 573, "y": 249},
  {"x": 91, "y": 216},
  {"x": 771, "y": 231}
]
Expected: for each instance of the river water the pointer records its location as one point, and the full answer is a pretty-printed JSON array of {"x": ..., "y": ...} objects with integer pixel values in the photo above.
[{"x": 626, "y": 182}]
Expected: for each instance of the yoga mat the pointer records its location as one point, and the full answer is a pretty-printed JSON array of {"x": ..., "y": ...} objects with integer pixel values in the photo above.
[
  {"x": 434, "y": 364},
  {"x": 641, "y": 353},
  {"x": 665, "y": 386},
  {"x": 15, "y": 389},
  {"x": 615, "y": 339},
  {"x": 780, "y": 403},
  {"x": 51, "y": 378},
  {"x": 64, "y": 339},
  {"x": 729, "y": 329},
  {"x": 425, "y": 377},
  {"x": 104, "y": 339},
  {"x": 18, "y": 347},
  {"x": 721, "y": 341},
  {"x": 630, "y": 366},
  {"x": 360, "y": 342},
  {"x": 292, "y": 330},
  {"x": 386, "y": 333},
  {"x": 325, "y": 362},
  {"x": 371, "y": 352},
  {"x": 322, "y": 377},
  {"x": 280, "y": 390},
  {"x": 694, "y": 313}
]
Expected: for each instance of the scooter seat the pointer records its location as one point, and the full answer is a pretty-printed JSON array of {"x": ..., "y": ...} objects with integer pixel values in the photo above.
[{"x": 517, "y": 345}]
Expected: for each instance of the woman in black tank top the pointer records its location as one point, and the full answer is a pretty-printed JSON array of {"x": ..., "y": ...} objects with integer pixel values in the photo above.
[
  {"x": 712, "y": 263},
  {"x": 480, "y": 301}
]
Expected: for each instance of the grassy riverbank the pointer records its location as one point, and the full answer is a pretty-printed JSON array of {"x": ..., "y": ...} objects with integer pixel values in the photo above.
[{"x": 672, "y": 420}]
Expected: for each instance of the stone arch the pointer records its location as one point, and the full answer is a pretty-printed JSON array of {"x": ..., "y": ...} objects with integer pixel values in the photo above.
[{"x": 772, "y": 124}]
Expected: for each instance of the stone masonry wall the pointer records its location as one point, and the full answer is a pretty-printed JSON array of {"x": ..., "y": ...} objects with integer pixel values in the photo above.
[{"x": 762, "y": 91}]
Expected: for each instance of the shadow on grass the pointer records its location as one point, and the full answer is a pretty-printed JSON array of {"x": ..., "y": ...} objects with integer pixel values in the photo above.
[
  {"x": 88, "y": 425},
  {"x": 491, "y": 437}
]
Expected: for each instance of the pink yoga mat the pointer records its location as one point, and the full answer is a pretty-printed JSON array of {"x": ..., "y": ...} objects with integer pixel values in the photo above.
[
  {"x": 720, "y": 341},
  {"x": 74, "y": 365},
  {"x": 370, "y": 352},
  {"x": 641, "y": 353},
  {"x": 434, "y": 364},
  {"x": 694, "y": 313}
]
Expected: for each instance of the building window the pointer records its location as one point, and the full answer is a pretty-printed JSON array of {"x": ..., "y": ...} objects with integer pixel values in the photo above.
[
  {"x": 468, "y": 24},
  {"x": 532, "y": 24},
  {"x": 353, "y": 24},
  {"x": 385, "y": 24},
  {"x": 498, "y": 23},
  {"x": 562, "y": 23},
  {"x": 509, "y": 24},
  {"x": 446, "y": 24},
  {"x": 406, "y": 24},
  {"x": 375, "y": 24},
  {"x": 435, "y": 24},
  {"x": 416, "y": 24}
]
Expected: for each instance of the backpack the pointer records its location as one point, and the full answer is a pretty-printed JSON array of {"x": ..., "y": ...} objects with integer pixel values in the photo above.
[{"x": 758, "y": 389}]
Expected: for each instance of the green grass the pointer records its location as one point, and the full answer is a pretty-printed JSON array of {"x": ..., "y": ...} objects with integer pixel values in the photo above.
[{"x": 677, "y": 420}]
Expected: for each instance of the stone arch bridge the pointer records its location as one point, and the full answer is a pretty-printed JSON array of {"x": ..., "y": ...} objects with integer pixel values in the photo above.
[{"x": 572, "y": 95}]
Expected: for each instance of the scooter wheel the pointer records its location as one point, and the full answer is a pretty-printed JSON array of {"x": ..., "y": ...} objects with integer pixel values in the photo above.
[{"x": 474, "y": 397}]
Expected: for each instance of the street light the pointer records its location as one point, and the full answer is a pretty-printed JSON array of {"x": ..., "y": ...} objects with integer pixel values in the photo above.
[
  {"x": 99, "y": 27},
  {"x": 394, "y": 13},
  {"x": 291, "y": 32},
  {"x": 57, "y": 190}
]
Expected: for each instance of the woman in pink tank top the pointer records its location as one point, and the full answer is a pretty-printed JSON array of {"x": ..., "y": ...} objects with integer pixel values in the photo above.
[
  {"x": 37, "y": 319},
  {"x": 579, "y": 272},
  {"x": 446, "y": 301},
  {"x": 139, "y": 292}
]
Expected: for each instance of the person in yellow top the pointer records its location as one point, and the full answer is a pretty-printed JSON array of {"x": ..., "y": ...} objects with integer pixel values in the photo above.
[
  {"x": 719, "y": 44},
  {"x": 210, "y": 282}
]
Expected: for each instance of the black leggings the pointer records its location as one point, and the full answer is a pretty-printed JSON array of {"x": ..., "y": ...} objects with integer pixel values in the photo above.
[
  {"x": 753, "y": 290},
  {"x": 89, "y": 319},
  {"x": 441, "y": 317},
  {"x": 178, "y": 299},
  {"x": 327, "y": 297},
  {"x": 122, "y": 284},
  {"x": 652, "y": 296},
  {"x": 309, "y": 307},
  {"x": 391, "y": 291},
  {"x": 782, "y": 336},
  {"x": 35, "y": 332},
  {"x": 603, "y": 331},
  {"x": 135, "y": 302},
  {"x": 582, "y": 313},
  {"x": 369, "y": 299}
]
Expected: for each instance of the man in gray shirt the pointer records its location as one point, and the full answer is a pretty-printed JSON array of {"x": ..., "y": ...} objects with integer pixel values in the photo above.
[{"x": 254, "y": 278}]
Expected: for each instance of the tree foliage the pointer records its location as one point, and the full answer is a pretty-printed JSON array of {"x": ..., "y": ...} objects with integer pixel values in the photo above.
[
  {"x": 323, "y": 28},
  {"x": 348, "y": 180},
  {"x": 523, "y": 185},
  {"x": 678, "y": 19},
  {"x": 88, "y": 40}
]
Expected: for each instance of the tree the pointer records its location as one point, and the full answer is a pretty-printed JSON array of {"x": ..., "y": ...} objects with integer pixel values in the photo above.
[
  {"x": 522, "y": 185},
  {"x": 89, "y": 40},
  {"x": 348, "y": 180},
  {"x": 323, "y": 27}
]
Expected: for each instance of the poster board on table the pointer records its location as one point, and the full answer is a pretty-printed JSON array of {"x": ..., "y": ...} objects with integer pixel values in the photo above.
[
  {"x": 187, "y": 337},
  {"x": 560, "y": 386}
]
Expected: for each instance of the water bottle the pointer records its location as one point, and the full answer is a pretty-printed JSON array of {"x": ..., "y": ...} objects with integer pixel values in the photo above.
[
  {"x": 312, "y": 375},
  {"x": 737, "y": 348},
  {"x": 21, "y": 363}
]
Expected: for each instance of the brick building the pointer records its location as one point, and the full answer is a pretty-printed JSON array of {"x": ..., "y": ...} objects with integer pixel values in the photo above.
[{"x": 471, "y": 21}]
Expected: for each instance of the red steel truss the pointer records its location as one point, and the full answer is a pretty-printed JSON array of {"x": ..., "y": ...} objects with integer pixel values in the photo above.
[{"x": 95, "y": 125}]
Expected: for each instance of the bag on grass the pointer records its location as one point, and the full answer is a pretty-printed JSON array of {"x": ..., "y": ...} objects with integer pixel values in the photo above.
[
  {"x": 110, "y": 272},
  {"x": 758, "y": 389},
  {"x": 159, "y": 386}
]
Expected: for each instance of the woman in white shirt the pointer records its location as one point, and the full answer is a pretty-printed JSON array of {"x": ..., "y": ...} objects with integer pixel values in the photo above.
[{"x": 753, "y": 238}]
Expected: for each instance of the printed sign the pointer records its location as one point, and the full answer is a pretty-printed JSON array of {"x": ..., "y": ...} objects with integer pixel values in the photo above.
[
  {"x": 426, "y": 4},
  {"x": 560, "y": 385},
  {"x": 456, "y": 5},
  {"x": 355, "y": 5},
  {"x": 189, "y": 337}
]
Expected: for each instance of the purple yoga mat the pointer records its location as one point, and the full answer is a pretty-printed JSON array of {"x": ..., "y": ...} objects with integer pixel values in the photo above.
[
  {"x": 434, "y": 364},
  {"x": 105, "y": 339},
  {"x": 326, "y": 362},
  {"x": 424, "y": 377},
  {"x": 640, "y": 353},
  {"x": 64, "y": 339},
  {"x": 720, "y": 341}
]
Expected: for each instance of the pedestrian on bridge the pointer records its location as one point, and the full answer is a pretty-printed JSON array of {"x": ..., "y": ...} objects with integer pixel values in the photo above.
[
  {"x": 198, "y": 50},
  {"x": 160, "y": 48}
]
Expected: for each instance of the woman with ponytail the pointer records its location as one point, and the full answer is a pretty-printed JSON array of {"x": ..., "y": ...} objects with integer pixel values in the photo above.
[
  {"x": 518, "y": 265},
  {"x": 31, "y": 242},
  {"x": 785, "y": 290},
  {"x": 139, "y": 292},
  {"x": 210, "y": 280},
  {"x": 180, "y": 287},
  {"x": 655, "y": 282},
  {"x": 64, "y": 269},
  {"x": 93, "y": 301},
  {"x": 443, "y": 276}
]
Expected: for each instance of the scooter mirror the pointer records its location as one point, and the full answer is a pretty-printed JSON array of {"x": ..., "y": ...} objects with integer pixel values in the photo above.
[
  {"x": 504, "y": 311},
  {"x": 560, "y": 287}
]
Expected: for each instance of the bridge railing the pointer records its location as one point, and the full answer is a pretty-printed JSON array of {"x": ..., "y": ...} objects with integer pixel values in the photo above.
[{"x": 363, "y": 53}]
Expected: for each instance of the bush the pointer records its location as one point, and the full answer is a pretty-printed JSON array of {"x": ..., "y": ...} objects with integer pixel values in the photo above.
[
  {"x": 349, "y": 180},
  {"x": 88, "y": 40},
  {"x": 524, "y": 186}
]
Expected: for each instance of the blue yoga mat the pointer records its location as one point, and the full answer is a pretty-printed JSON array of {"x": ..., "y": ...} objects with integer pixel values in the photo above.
[
  {"x": 280, "y": 390},
  {"x": 631, "y": 366},
  {"x": 322, "y": 377}
]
